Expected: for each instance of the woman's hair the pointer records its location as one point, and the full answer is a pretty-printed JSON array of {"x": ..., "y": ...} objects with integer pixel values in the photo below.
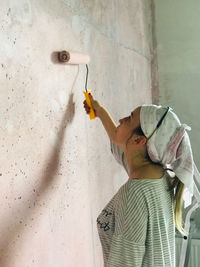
[{"x": 176, "y": 188}]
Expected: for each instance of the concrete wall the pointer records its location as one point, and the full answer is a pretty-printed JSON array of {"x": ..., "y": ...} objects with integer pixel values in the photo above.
[
  {"x": 177, "y": 31},
  {"x": 57, "y": 172},
  {"x": 178, "y": 60}
]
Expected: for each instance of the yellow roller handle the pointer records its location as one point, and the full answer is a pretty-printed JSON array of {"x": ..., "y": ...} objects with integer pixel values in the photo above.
[{"x": 87, "y": 98}]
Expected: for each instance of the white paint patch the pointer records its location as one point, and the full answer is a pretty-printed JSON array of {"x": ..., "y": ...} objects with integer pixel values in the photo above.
[
  {"x": 7, "y": 38},
  {"x": 9, "y": 126},
  {"x": 135, "y": 75},
  {"x": 55, "y": 105},
  {"x": 62, "y": 97},
  {"x": 81, "y": 29},
  {"x": 21, "y": 11},
  {"x": 53, "y": 138},
  {"x": 77, "y": 25}
]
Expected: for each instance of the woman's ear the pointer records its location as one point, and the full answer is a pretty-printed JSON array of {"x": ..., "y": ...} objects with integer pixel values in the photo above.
[
  {"x": 144, "y": 140},
  {"x": 140, "y": 140}
]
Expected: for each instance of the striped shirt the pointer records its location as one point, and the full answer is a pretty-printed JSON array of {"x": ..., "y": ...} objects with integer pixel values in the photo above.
[{"x": 136, "y": 228}]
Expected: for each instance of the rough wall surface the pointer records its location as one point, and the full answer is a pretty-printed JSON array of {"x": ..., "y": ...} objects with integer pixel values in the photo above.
[
  {"x": 57, "y": 171},
  {"x": 177, "y": 32}
]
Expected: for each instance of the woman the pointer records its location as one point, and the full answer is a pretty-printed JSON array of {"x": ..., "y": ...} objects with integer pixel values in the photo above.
[{"x": 137, "y": 226}]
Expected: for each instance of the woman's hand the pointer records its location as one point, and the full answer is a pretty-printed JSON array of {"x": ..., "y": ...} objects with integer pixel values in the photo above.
[
  {"x": 95, "y": 105},
  {"x": 103, "y": 115}
]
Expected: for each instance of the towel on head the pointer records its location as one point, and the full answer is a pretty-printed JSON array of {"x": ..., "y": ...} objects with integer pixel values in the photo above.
[{"x": 170, "y": 144}]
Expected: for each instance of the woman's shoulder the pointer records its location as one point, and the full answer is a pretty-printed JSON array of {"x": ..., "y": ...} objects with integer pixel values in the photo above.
[{"x": 145, "y": 184}]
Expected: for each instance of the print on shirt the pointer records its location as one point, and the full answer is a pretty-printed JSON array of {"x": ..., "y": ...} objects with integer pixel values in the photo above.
[{"x": 104, "y": 225}]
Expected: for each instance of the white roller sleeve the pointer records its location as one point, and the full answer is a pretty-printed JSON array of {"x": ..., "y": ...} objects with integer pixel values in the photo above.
[{"x": 78, "y": 58}]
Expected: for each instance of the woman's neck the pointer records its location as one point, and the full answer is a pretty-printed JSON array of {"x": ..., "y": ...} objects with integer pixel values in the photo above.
[
  {"x": 142, "y": 168},
  {"x": 147, "y": 172}
]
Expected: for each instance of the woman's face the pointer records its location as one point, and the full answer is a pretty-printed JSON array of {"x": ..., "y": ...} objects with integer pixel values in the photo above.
[{"x": 127, "y": 125}]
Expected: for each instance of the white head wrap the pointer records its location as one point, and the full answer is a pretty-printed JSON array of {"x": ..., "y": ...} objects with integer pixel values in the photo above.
[{"x": 170, "y": 144}]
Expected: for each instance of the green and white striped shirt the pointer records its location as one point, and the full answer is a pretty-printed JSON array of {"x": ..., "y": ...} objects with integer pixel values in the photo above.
[{"x": 136, "y": 228}]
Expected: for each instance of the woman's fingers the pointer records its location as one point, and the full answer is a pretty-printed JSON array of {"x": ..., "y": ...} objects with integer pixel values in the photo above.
[
  {"x": 87, "y": 108},
  {"x": 94, "y": 105}
]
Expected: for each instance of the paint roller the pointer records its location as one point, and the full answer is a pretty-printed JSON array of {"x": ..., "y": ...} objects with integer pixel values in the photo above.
[{"x": 76, "y": 59}]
